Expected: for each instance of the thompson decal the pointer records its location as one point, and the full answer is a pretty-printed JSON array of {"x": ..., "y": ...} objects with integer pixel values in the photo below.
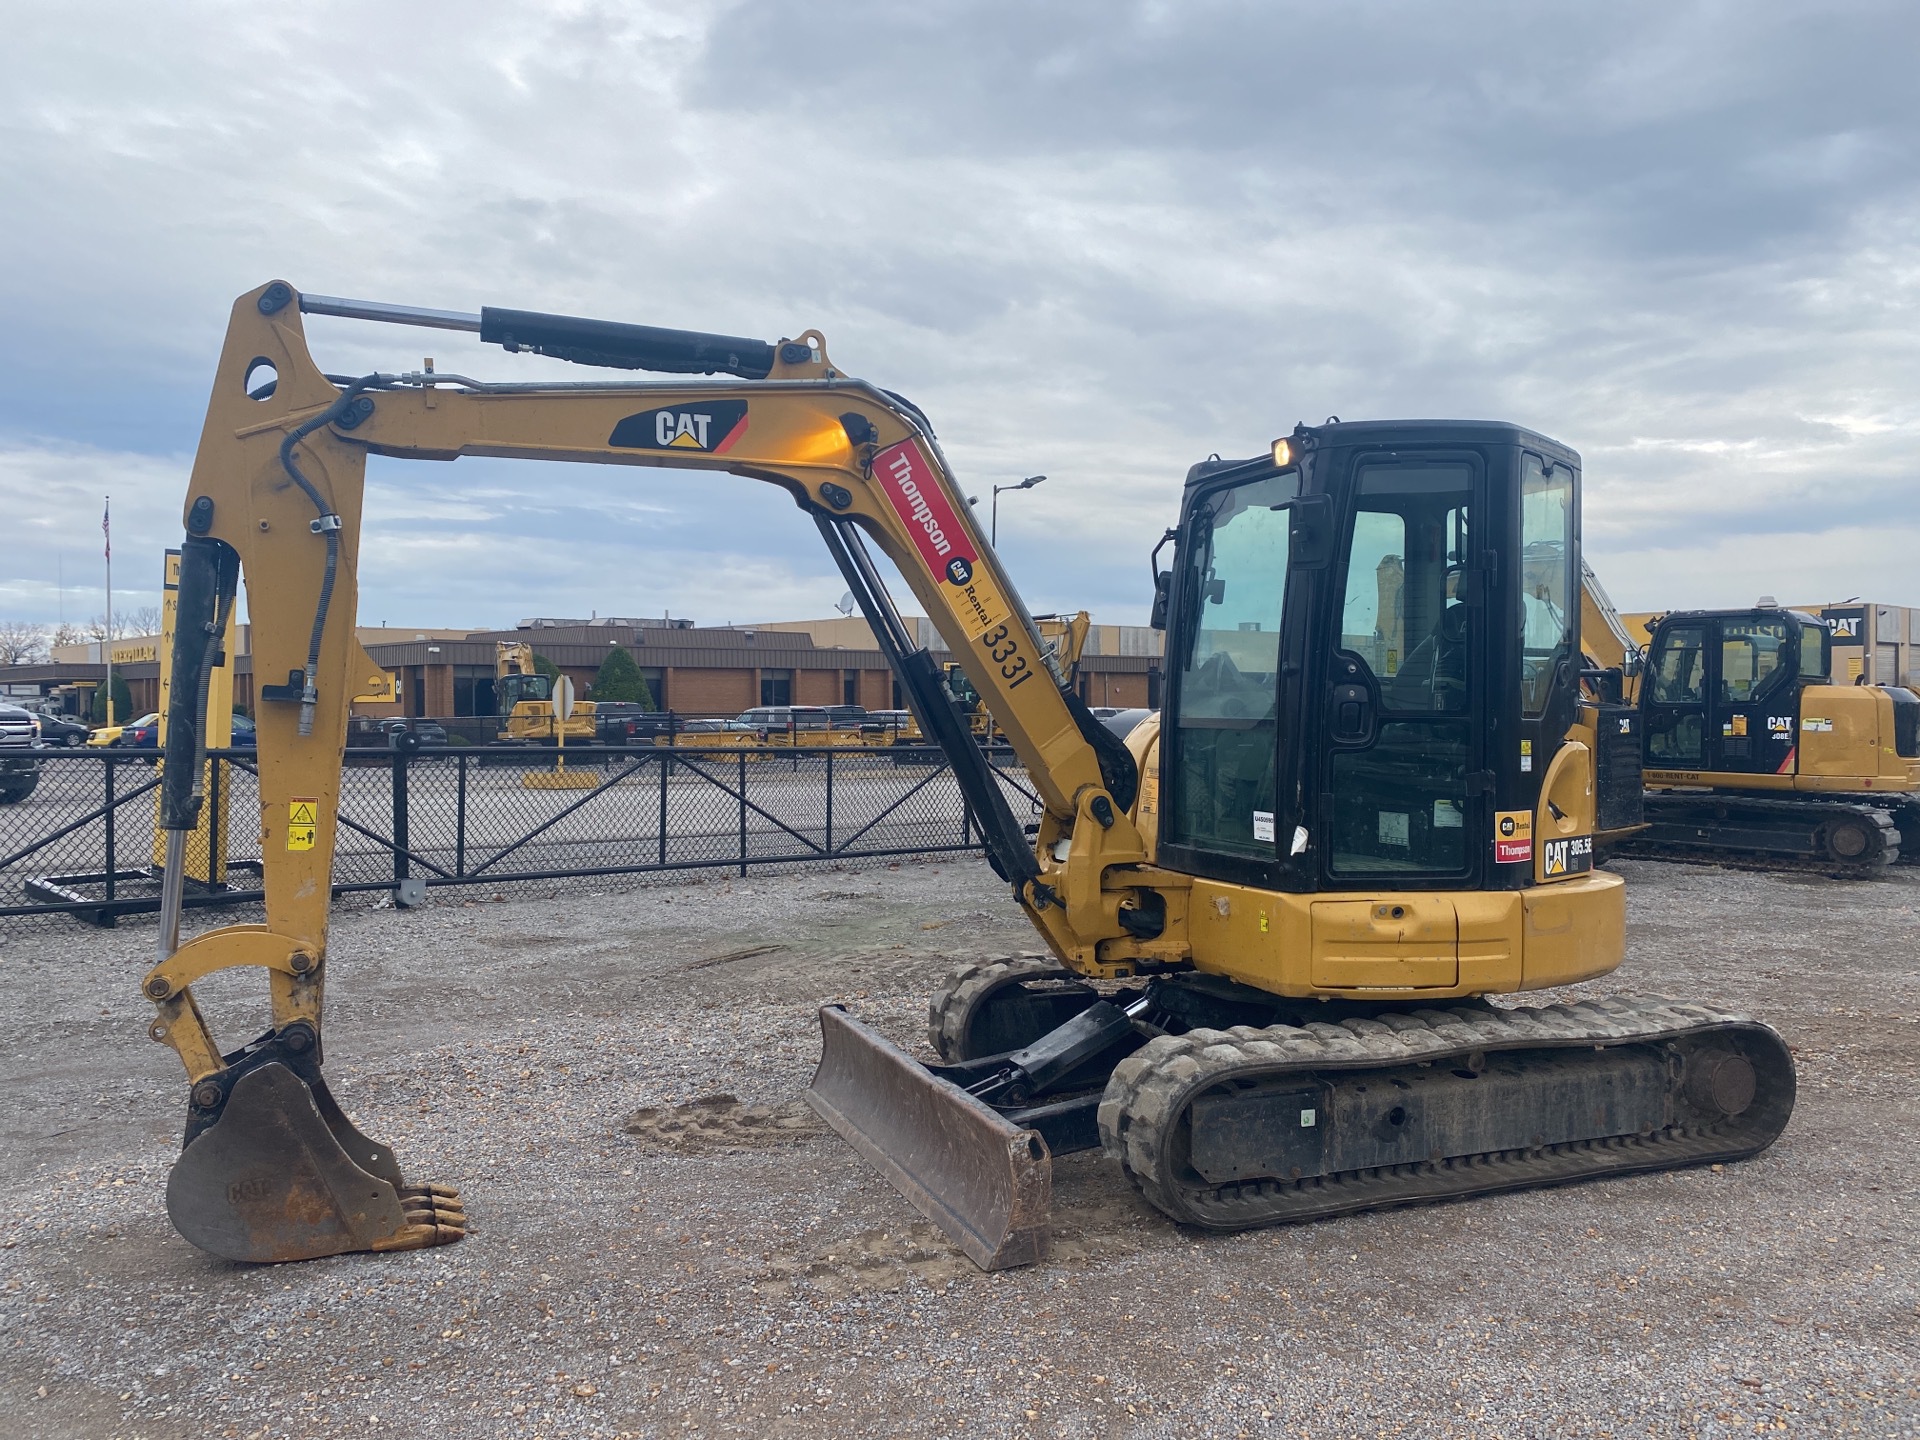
[
  {"x": 1512, "y": 836},
  {"x": 917, "y": 498},
  {"x": 920, "y": 500},
  {"x": 704, "y": 429}
]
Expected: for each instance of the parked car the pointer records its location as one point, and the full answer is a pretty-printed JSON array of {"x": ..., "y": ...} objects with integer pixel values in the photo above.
[
  {"x": 58, "y": 729},
  {"x": 117, "y": 734},
  {"x": 19, "y": 767},
  {"x": 623, "y": 722},
  {"x": 769, "y": 719},
  {"x": 244, "y": 735}
]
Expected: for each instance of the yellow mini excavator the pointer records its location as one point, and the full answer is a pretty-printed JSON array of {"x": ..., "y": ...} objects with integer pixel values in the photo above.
[
  {"x": 525, "y": 698},
  {"x": 1752, "y": 752},
  {"x": 1272, "y": 920}
]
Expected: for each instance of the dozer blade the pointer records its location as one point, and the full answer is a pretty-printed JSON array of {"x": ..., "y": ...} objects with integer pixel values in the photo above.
[
  {"x": 282, "y": 1175},
  {"x": 984, "y": 1180}
]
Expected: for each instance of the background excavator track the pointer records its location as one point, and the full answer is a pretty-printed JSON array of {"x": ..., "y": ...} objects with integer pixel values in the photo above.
[{"x": 1845, "y": 838}]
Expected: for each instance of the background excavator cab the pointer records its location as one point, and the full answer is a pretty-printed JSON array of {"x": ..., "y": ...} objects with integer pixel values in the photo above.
[{"x": 1723, "y": 690}]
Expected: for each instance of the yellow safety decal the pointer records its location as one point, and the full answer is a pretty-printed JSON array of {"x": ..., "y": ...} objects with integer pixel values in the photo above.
[
  {"x": 303, "y": 823},
  {"x": 979, "y": 604}
]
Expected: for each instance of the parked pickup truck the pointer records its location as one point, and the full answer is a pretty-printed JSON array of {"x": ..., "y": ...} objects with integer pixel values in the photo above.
[{"x": 19, "y": 765}]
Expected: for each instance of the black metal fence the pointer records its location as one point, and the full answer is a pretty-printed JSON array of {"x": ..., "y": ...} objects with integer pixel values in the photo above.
[{"x": 82, "y": 843}]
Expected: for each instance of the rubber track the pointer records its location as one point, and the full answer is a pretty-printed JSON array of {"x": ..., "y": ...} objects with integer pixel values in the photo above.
[
  {"x": 954, "y": 1004},
  {"x": 1148, "y": 1094},
  {"x": 1796, "y": 817}
]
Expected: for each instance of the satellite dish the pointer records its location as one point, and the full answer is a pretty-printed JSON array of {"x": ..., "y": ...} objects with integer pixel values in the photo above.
[{"x": 845, "y": 607}]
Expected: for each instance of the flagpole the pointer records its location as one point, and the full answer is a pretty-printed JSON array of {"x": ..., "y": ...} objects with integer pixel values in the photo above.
[{"x": 106, "y": 528}]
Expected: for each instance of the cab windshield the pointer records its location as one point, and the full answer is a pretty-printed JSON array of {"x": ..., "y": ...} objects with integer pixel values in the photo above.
[
  {"x": 1223, "y": 798},
  {"x": 515, "y": 688}
]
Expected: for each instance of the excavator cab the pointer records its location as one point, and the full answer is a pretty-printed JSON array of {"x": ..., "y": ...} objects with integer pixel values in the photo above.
[
  {"x": 512, "y": 689},
  {"x": 1723, "y": 690},
  {"x": 1357, "y": 687}
]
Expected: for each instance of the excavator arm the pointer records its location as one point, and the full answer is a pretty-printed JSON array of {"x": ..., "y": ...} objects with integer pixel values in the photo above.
[
  {"x": 272, "y": 1170},
  {"x": 1604, "y": 635}
]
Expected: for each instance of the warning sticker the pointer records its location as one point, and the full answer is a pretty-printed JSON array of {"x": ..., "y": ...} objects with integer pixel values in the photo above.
[
  {"x": 1512, "y": 836},
  {"x": 303, "y": 823},
  {"x": 920, "y": 500}
]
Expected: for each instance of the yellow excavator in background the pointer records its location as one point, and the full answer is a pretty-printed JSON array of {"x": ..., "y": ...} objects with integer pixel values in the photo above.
[
  {"x": 525, "y": 698},
  {"x": 1751, "y": 751},
  {"x": 1062, "y": 639},
  {"x": 1272, "y": 919}
]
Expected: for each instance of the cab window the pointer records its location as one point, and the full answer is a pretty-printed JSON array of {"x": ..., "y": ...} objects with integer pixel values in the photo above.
[
  {"x": 1679, "y": 671},
  {"x": 1546, "y": 587},
  {"x": 1813, "y": 651},
  {"x": 1224, "y": 788},
  {"x": 1751, "y": 655},
  {"x": 1403, "y": 613}
]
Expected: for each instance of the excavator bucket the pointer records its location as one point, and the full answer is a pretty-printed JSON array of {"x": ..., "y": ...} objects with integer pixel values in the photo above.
[
  {"x": 282, "y": 1174},
  {"x": 985, "y": 1181}
]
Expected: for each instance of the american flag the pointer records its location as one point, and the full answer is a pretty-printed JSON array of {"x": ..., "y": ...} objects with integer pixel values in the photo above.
[{"x": 106, "y": 525}]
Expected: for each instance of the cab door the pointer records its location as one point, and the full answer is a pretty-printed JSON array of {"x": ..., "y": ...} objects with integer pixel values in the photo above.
[
  {"x": 1675, "y": 704},
  {"x": 1225, "y": 812},
  {"x": 1404, "y": 734},
  {"x": 1751, "y": 721}
]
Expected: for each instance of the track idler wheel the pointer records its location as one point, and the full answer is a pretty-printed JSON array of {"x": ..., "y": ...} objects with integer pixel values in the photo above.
[
  {"x": 280, "y": 1173},
  {"x": 990, "y": 1007},
  {"x": 1848, "y": 841}
]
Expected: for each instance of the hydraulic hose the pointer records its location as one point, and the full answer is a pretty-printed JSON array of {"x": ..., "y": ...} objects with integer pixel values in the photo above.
[{"x": 327, "y": 525}]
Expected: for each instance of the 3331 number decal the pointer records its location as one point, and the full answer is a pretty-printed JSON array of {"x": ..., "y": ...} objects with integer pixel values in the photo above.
[{"x": 1006, "y": 654}]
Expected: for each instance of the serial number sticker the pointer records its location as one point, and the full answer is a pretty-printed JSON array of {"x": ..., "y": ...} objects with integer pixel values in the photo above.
[{"x": 303, "y": 823}]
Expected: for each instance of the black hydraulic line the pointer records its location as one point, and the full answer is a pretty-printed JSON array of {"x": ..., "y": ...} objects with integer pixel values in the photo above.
[
  {"x": 209, "y": 579},
  {"x": 326, "y": 525},
  {"x": 1008, "y": 850}
]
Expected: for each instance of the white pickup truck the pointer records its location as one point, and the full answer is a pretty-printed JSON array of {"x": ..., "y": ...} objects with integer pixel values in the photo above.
[{"x": 19, "y": 765}]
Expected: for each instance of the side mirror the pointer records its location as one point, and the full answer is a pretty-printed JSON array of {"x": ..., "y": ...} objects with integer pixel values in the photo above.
[{"x": 1162, "y": 582}]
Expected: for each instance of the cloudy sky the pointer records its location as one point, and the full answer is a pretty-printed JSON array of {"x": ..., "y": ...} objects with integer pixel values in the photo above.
[{"x": 1096, "y": 240}]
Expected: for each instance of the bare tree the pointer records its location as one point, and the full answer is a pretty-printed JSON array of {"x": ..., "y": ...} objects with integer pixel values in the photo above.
[
  {"x": 133, "y": 621},
  {"x": 67, "y": 633},
  {"x": 21, "y": 642}
]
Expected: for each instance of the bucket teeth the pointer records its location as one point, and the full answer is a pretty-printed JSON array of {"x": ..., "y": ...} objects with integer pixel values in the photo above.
[{"x": 434, "y": 1216}]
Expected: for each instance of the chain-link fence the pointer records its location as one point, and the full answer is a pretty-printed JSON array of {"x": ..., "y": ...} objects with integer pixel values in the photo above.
[{"x": 82, "y": 842}]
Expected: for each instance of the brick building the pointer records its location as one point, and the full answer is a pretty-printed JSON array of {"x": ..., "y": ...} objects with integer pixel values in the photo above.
[{"x": 449, "y": 673}]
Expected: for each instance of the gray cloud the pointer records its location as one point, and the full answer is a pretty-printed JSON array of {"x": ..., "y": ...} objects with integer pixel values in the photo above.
[{"x": 1093, "y": 240}]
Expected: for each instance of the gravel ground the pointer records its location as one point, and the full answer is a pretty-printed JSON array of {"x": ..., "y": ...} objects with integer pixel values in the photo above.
[{"x": 664, "y": 1243}]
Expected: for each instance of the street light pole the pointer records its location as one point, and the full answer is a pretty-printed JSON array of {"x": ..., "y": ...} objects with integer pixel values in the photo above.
[{"x": 1026, "y": 484}]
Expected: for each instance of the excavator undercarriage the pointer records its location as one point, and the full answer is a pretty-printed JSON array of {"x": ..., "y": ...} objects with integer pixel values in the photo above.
[{"x": 1231, "y": 1108}]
